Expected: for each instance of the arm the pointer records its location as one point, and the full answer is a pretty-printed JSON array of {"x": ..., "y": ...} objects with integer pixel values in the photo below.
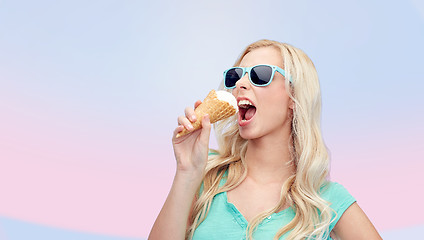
[
  {"x": 355, "y": 225},
  {"x": 172, "y": 220},
  {"x": 191, "y": 153}
]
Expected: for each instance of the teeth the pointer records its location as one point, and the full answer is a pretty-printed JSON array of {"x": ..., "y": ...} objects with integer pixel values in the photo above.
[{"x": 244, "y": 103}]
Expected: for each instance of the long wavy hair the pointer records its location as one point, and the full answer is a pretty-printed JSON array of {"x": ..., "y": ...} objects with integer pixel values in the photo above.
[{"x": 301, "y": 191}]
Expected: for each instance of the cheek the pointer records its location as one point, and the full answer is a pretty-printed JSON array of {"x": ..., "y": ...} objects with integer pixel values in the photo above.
[
  {"x": 234, "y": 92},
  {"x": 277, "y": 106},
  {"x": 279, "y": 97}
]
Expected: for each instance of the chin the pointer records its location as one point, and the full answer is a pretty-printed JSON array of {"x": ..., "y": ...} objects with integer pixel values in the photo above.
[{"x": 248, "y": 135}]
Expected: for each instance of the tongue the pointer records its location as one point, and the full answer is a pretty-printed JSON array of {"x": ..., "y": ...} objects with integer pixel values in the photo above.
[{"x": 250, "y": 113}]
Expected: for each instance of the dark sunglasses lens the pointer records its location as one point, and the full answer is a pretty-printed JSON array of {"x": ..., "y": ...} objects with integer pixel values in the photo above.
[
  {"x": 261, "y": 75},
  {"x": 232, "y": 76}
]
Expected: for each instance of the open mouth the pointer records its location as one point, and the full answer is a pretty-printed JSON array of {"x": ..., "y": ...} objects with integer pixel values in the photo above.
[{"x": 246, "y": 110}]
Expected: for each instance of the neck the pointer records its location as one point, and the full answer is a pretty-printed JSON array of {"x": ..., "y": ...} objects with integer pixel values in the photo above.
[{"x": 268, "y": 162}]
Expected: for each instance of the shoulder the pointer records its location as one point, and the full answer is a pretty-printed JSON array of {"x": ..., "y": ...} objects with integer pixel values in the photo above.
[
  {"x": 339, "y": 198},
  {"x": 333, "y": 191}
]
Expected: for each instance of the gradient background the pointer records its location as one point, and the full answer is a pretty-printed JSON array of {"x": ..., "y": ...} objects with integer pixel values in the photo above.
[{"x": 90, "y": 92}]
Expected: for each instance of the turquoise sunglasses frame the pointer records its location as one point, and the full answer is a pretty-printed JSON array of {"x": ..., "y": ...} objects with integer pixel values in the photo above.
[{"x": 248, "y": 69}]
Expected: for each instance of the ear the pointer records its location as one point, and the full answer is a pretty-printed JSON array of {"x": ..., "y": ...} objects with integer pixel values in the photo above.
[{"x": 291, "y": 104}]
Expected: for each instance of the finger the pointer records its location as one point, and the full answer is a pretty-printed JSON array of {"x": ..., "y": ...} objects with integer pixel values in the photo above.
[
  {"x": 185, "y": 122},
  {"x": 206, "y": 129},
  {"x": 189, "y": 112},
  {"x": 177, "y": 130},
  {"x": 197, "y": 103}
]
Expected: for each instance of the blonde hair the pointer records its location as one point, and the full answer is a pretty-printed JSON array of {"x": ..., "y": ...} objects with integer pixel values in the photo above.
[{"x": 309, "y": 154}]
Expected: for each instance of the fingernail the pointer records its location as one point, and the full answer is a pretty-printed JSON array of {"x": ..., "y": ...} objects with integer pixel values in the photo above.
[
  {"x": 190, "y": 127},
  {"x": 193, "y": 117}
]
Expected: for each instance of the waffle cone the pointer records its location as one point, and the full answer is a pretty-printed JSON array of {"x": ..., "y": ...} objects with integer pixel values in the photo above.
[{"x": 215, "y": 108}]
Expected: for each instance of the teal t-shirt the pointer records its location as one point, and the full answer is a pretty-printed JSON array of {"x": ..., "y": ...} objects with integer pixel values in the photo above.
[{"x": 224, "y": 221}]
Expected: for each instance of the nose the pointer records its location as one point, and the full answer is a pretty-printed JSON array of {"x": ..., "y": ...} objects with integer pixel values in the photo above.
[{"x": 244, "y": 82}]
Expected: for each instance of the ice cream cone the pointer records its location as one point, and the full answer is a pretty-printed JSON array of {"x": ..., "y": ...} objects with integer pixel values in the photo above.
[{"x": 217, "y": 109}]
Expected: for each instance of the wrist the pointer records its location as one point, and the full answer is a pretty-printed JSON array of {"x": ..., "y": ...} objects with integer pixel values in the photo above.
[
  {"x": 191, "y": 170},
  {"x": 189, "y": 177}
]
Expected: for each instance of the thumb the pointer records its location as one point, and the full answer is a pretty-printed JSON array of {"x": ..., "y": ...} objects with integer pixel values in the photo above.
[{"x": 206, "y": 129}]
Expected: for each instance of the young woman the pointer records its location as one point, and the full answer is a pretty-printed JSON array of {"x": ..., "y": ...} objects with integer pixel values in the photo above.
[{"x": 268, "y": 179}]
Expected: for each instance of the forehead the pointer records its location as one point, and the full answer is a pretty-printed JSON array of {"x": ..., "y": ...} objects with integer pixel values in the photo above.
[{"x": 263, "y": 55}]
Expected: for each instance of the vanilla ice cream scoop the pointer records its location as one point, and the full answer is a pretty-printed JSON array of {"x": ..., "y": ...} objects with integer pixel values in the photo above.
[
  {"x": 227, "y": 97},
  {"x": 218, "y": 105}
]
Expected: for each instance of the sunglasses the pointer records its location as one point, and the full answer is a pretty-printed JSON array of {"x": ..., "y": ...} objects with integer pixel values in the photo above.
[{"x": 259, "y": 75}]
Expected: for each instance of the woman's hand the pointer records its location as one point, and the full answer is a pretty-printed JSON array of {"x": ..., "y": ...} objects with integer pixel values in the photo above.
[{"x": 191, "y": 150}]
